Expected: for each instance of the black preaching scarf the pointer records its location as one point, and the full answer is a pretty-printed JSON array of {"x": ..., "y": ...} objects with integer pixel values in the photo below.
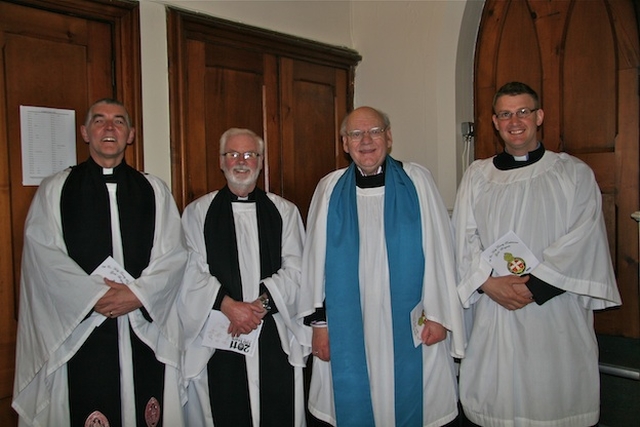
[
  {"x": 228, "y": 384},
  {"x": 94, "y": 371},
  {"x": 86, "y": 219}
]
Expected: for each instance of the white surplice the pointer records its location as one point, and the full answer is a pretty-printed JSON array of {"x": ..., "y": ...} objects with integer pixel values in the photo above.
[
  {"x": 200, "y": 290},
  {"x": 56, "y": 295},
  {"x": 439, "y": 299},
  {"x": 537, "y": 366}
]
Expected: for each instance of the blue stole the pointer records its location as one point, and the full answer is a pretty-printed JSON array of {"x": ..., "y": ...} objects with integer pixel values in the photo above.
[{"x": 403, "y": 236}]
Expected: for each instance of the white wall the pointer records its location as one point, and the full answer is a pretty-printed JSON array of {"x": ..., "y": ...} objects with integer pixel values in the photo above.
[{"x": 417, "y": 66}]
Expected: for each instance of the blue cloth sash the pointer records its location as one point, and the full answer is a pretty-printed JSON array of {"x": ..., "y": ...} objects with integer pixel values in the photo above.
[{"x": 403, "y": 235}]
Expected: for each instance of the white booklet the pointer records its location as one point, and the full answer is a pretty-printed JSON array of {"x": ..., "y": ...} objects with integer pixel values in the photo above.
[
  {"x": 216, "y": 335},
  {"x": 509, "y": 255},
  {"x": 110, "y": 269}
]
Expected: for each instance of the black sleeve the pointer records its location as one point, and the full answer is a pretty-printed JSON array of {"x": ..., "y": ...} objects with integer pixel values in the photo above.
[
  {"x": 541, "y": 290},
  {"x": 221, "y": 294},
  {"x": 320, "y": 315}
]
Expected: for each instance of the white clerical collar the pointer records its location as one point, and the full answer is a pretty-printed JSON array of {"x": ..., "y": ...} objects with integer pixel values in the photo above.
[
  {"x": 525, "y": 157},
  {"x": 107, "y": 171},
  {"x": 378, "y": 172}
]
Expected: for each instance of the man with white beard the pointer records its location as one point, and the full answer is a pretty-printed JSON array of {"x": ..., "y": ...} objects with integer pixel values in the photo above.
[{"x": 245, "y": 248}]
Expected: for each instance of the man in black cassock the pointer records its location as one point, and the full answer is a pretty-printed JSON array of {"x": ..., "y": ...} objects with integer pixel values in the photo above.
[
  {"x": 98, "y": 334},
  {"x": 245, "y": 247}
]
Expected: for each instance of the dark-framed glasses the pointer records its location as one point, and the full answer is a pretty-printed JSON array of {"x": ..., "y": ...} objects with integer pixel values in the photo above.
[
  {"x": 234, "y": 155},
  {"x": 374, "y": 133},
  {"x": 521, "y": 113}
]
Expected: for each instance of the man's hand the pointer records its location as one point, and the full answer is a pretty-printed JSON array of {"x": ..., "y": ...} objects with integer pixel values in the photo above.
[
  {"x": 433, "y": 332},
  {"x": 320, "y": 343},
  {"x": 244, "y": 316},
  {"x": 508, "y": 291},
  {"x": 118, "y": 301}
]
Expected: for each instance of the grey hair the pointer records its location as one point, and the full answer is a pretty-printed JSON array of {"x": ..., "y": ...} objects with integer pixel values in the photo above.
[
  {"x": 238, "y": 131},
  {"x": 109, "y": 101}
]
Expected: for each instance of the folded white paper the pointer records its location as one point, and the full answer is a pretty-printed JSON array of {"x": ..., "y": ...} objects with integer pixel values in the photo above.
[
  {"x": 509, "y": 255},
  {"x": 216, "y": 335},
  {"x": 110, "y": 269}
]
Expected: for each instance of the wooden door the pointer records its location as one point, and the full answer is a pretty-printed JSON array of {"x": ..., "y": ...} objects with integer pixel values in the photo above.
[
  {"x": 51, "y": 57},
  {"x": 582, "y": 58},
  {"x": 313, "y": 104},
  {"x": 290, "y": 91}
]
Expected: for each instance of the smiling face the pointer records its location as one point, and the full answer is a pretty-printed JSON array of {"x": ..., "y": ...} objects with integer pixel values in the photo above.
[
  {"x": 241, "y": 173},
  {"x": 108, "y": 133},
  {"x": 519, "y": 134},
  {"x": 367, "y": 153}
]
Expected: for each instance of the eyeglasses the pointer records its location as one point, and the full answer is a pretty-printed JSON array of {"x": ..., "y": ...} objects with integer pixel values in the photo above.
[
  {"x": 234, "y": 155},
  {"x": 521, "y": 113},
  {"x": 374, "y": 133}
]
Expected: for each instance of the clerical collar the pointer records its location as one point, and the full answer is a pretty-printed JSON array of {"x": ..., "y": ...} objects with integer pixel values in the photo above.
[
  {"x": 109, "y": 174},
  {"x": 505, "y": 161},
  {"x": 250, "y": 198},
  {"x": 371, "y": 181}
]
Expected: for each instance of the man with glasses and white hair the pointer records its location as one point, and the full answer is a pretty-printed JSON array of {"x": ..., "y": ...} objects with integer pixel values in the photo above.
[
  {"x": 245, "y": 249},
  {"x": 531, "y": 364},
  {"x": 380, "y": 248}
]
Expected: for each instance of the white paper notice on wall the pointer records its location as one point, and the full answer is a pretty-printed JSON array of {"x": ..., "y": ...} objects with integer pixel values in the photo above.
[{"x": 48, "y": 139}]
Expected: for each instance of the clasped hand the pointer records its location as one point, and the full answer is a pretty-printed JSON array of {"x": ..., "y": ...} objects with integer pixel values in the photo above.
[
  {"x": 118, "y": 301},
  {"x": 508, "y": 291},
  {"x": 244, "y": 316}
]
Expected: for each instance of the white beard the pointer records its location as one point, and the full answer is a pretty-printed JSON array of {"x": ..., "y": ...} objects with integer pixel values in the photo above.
[{"x": 248, "y": 180}]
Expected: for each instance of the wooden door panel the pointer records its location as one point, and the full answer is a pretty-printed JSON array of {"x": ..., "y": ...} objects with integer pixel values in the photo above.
[
  {"x": 589, "y": 71},
  {"x": 311, "y": 146},
  {"x": 191, "y": 159},
  {"x": 581, "y": 58}
]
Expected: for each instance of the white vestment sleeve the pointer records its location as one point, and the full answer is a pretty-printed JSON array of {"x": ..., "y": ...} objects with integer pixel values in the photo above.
[
  {"x": 440, "y": 298},
  {"x": 55, "y": 297},
  {"x": 284, "y": 285},
  {"x": 158, "y": 286},
  {"x": 199, "y": 288}
]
